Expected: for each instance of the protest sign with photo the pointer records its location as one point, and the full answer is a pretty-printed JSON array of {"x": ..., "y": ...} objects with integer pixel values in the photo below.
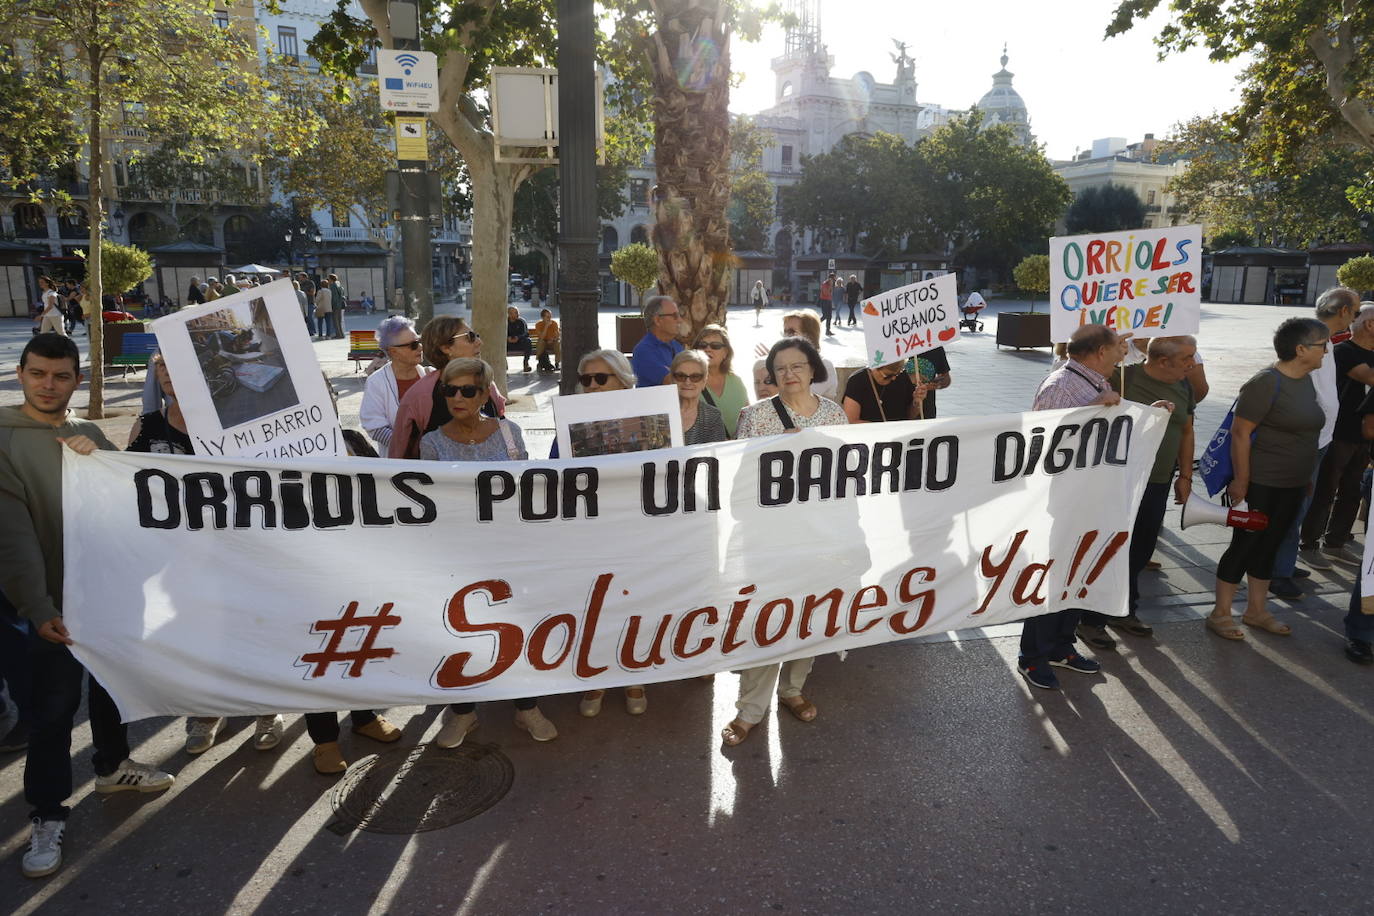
[
  {"x": 212, "y": 586},
  {"x": 1145, "y": 281},
  {"x": 904, "y": 322},
  {"x": 247, "y": 378},
  {"x": 611, "y": 422}
]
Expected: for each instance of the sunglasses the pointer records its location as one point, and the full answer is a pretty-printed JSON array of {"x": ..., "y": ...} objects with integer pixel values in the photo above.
[
  {"x": 472, "y": 336},
  {"x": 688, "y": 377},
  {"x": 711, "y": 345},
  {"x": 467, "y": 391},
  {"x": 412, "y": 345},
  {"x": 600, "y": 378}
]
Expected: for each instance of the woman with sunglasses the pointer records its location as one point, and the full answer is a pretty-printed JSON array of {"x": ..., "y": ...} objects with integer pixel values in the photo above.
[
  {"x": 793, "y": 365},
  {"x": 423, "y": 409},
  {"x": 701, "y": 422},
  {"x": 884, "y": 393},
  {"x": 724, "y": 390},
  {"x": 470, "y": 435},
  {"x": 606, "y": 370},
  {"x": 382, "y": 394}
]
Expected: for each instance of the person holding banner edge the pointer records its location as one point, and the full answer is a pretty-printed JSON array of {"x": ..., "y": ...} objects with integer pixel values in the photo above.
[
  {"x": 1279, "y": 409},
  {"x": 1093, "y": 350},
  {"x": 1160, "y": 381},
  {"x": 793, "y": 365},
  {"x": 31, "y": 574},
  {"x": 469, "y": 435}
]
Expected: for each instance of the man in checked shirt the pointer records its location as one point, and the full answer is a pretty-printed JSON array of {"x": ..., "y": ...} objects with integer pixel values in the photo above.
[{"x": 1047, "y": 640}]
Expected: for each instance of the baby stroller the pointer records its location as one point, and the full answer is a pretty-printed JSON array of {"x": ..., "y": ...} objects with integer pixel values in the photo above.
[{"x": 969, "y": 309}]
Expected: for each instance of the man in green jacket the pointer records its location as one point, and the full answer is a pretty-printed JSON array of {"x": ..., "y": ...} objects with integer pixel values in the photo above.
[{"x": 31, "y": 438}]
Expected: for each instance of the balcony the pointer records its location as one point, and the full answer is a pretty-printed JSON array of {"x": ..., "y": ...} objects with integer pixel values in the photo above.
[{"x": 186, "y": 196}]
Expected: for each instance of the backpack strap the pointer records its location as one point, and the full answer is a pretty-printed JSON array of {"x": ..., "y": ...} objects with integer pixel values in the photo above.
[{"x": 511, "y": 451}]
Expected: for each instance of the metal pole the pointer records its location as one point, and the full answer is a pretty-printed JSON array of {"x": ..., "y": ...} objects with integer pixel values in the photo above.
[
  {"x": 418, "y": 279},
  {"x": 579, "y": 291}
]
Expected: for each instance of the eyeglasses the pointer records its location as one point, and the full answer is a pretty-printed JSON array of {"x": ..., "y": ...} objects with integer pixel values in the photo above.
[
  {"x": 409, "y": 345},
  {"x": 669, "y": 314},
  {"x": 467, "y": 391},
  {"x": 472, "y": 336},
  {"x": 688, "y": 376},
  {"x": 1323, "y": 344},
  {"x": 600, "y": 378},
  {"x": 711, "y": 345},
  {"x": 791, "y": 369}
]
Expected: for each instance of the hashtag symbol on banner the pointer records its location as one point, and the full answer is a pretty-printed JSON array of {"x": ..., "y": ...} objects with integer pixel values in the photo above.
[{"x": 356, "y": 658}]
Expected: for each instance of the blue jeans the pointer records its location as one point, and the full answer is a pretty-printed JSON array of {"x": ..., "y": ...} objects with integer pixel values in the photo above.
[
  {"x": 57, "y": 677},
  {"x": 327, "y": 326},
  {"x": 1049, "y": 636},
  {"x": 310, "y": 321},
  {"x": 1286, "y": 560},
  {"x": 1358, "y": 625}
]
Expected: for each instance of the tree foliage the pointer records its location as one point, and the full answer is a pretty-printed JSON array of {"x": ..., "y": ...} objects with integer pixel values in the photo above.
[
  {"x": 1311, "y": 76},
  {"x": 751, "y": 193},
  {"x": 1235, "y": 189},
  {"x": 863, "y": 195},
  {"x": 154, "y": 68},
  {"x": 1105, "y": 208},
  {"x": 1357, "y": 273},
  {"x": 123, "y": 267},
  {"x": 637, "y": 265}
]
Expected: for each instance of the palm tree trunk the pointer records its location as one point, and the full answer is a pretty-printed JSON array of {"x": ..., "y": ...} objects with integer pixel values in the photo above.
[{"x": 691, "y": 62}]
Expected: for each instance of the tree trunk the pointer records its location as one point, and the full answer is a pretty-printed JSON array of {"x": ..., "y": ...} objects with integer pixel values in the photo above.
[
  {"x": 493, "y": 208},
  {"x": 691, "y": 62},
  {"x": 95, "y": 326}
]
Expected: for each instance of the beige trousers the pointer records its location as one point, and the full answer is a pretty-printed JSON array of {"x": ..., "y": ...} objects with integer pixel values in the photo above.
[{"x": 756, "y": 686}]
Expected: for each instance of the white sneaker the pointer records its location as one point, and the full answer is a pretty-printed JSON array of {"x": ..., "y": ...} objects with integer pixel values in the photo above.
[
  {"x": 456, "y": 727},
  {"x": 268, "y": 733},
  {"x": 201, "y": 732},
  {"x": 1342, "y": 554},
  {"x": 534, "y": 722},
  {"x": 133, "y": 776},
  {"x": 44, "y": 855},
  {"x": 1314, "y": 558}
]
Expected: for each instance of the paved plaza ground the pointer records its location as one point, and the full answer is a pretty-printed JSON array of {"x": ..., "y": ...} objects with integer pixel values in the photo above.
[{"x": 1193, "y": 775}]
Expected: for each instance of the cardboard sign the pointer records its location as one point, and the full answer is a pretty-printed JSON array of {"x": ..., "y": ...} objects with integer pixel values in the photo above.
[
  {"x": 1146, "y": 281},
  {"x": 911, "y": 319},
  {"x": 247, "y": 378}
]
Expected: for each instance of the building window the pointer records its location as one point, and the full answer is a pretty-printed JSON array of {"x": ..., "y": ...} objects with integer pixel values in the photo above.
[
  {"x": 370, "y": 62},
  {"x": 787, "y": 158},
  {"x": 286, "y": 43},
  {"x": 1150, "y": 197},
  {"x": 222, "y": 18},
  {"x": 639, "y": 193}
]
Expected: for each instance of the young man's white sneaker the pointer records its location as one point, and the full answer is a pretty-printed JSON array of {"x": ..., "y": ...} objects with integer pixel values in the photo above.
[
  {"x": 44, "y": 855},
  {"x": 132, "y": 776},
  {"x": 268, "y": 733},
  {"x": 201, "y": 732}
]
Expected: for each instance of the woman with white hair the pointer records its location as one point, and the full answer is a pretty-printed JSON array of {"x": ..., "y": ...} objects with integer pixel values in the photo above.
[
  {"x": 701, "y": 422},
  {"x": 382, "y": 395},
  {"x": 606, "y": 370}
]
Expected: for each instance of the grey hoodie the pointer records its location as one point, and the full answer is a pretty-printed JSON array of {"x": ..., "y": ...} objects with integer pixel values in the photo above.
[{"x": 31, "y": 510}]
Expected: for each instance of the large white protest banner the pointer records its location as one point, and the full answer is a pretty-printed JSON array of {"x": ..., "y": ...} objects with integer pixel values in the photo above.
[
  {"x": 247, "y": 378},
  {"x": 221, "y": 586},
  {"x": 1145, "y": 281},
  {"x": 911, "y": 319}
]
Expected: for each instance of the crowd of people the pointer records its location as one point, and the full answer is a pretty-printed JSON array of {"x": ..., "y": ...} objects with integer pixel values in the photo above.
[{"x": 1300, "y": 449}]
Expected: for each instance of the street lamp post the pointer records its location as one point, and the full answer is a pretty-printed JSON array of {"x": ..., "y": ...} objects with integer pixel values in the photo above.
[
  {"x": 579, "y": 290},
  {"x": 319, "y": 264}
]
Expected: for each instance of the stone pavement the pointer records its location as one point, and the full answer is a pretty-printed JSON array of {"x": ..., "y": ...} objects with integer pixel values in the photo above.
[{"x": 1196, "y": 775}]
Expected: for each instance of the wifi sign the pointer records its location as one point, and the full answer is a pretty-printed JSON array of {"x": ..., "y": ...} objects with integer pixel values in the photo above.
[{"x": 407, "y": 62}]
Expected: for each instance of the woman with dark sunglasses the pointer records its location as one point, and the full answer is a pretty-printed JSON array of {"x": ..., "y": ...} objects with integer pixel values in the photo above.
[
  {"x": 470, "y": 435},
  {"x": 423, "y": 408},
  {"x": 382, "y": 395},
  {"x": 724, "y": 390}
]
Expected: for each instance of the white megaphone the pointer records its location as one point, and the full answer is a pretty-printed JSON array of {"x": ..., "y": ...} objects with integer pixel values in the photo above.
[{"x": 1200, "y": 511}]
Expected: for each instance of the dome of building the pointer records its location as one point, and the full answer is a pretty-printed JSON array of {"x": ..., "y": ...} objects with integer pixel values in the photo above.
[{"x": 1003, "y": 105}]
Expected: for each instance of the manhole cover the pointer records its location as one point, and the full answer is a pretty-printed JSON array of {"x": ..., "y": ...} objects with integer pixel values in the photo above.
[{"x": 426, "y": 787}]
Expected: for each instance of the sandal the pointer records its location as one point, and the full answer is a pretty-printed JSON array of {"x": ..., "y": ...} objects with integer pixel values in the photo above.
[
  {"x": 1268, "y": 624},
  {"x": 803, "y": 709},
  {"x": 1225, "y": 627},
  {"x": 735, "y": 733}
]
